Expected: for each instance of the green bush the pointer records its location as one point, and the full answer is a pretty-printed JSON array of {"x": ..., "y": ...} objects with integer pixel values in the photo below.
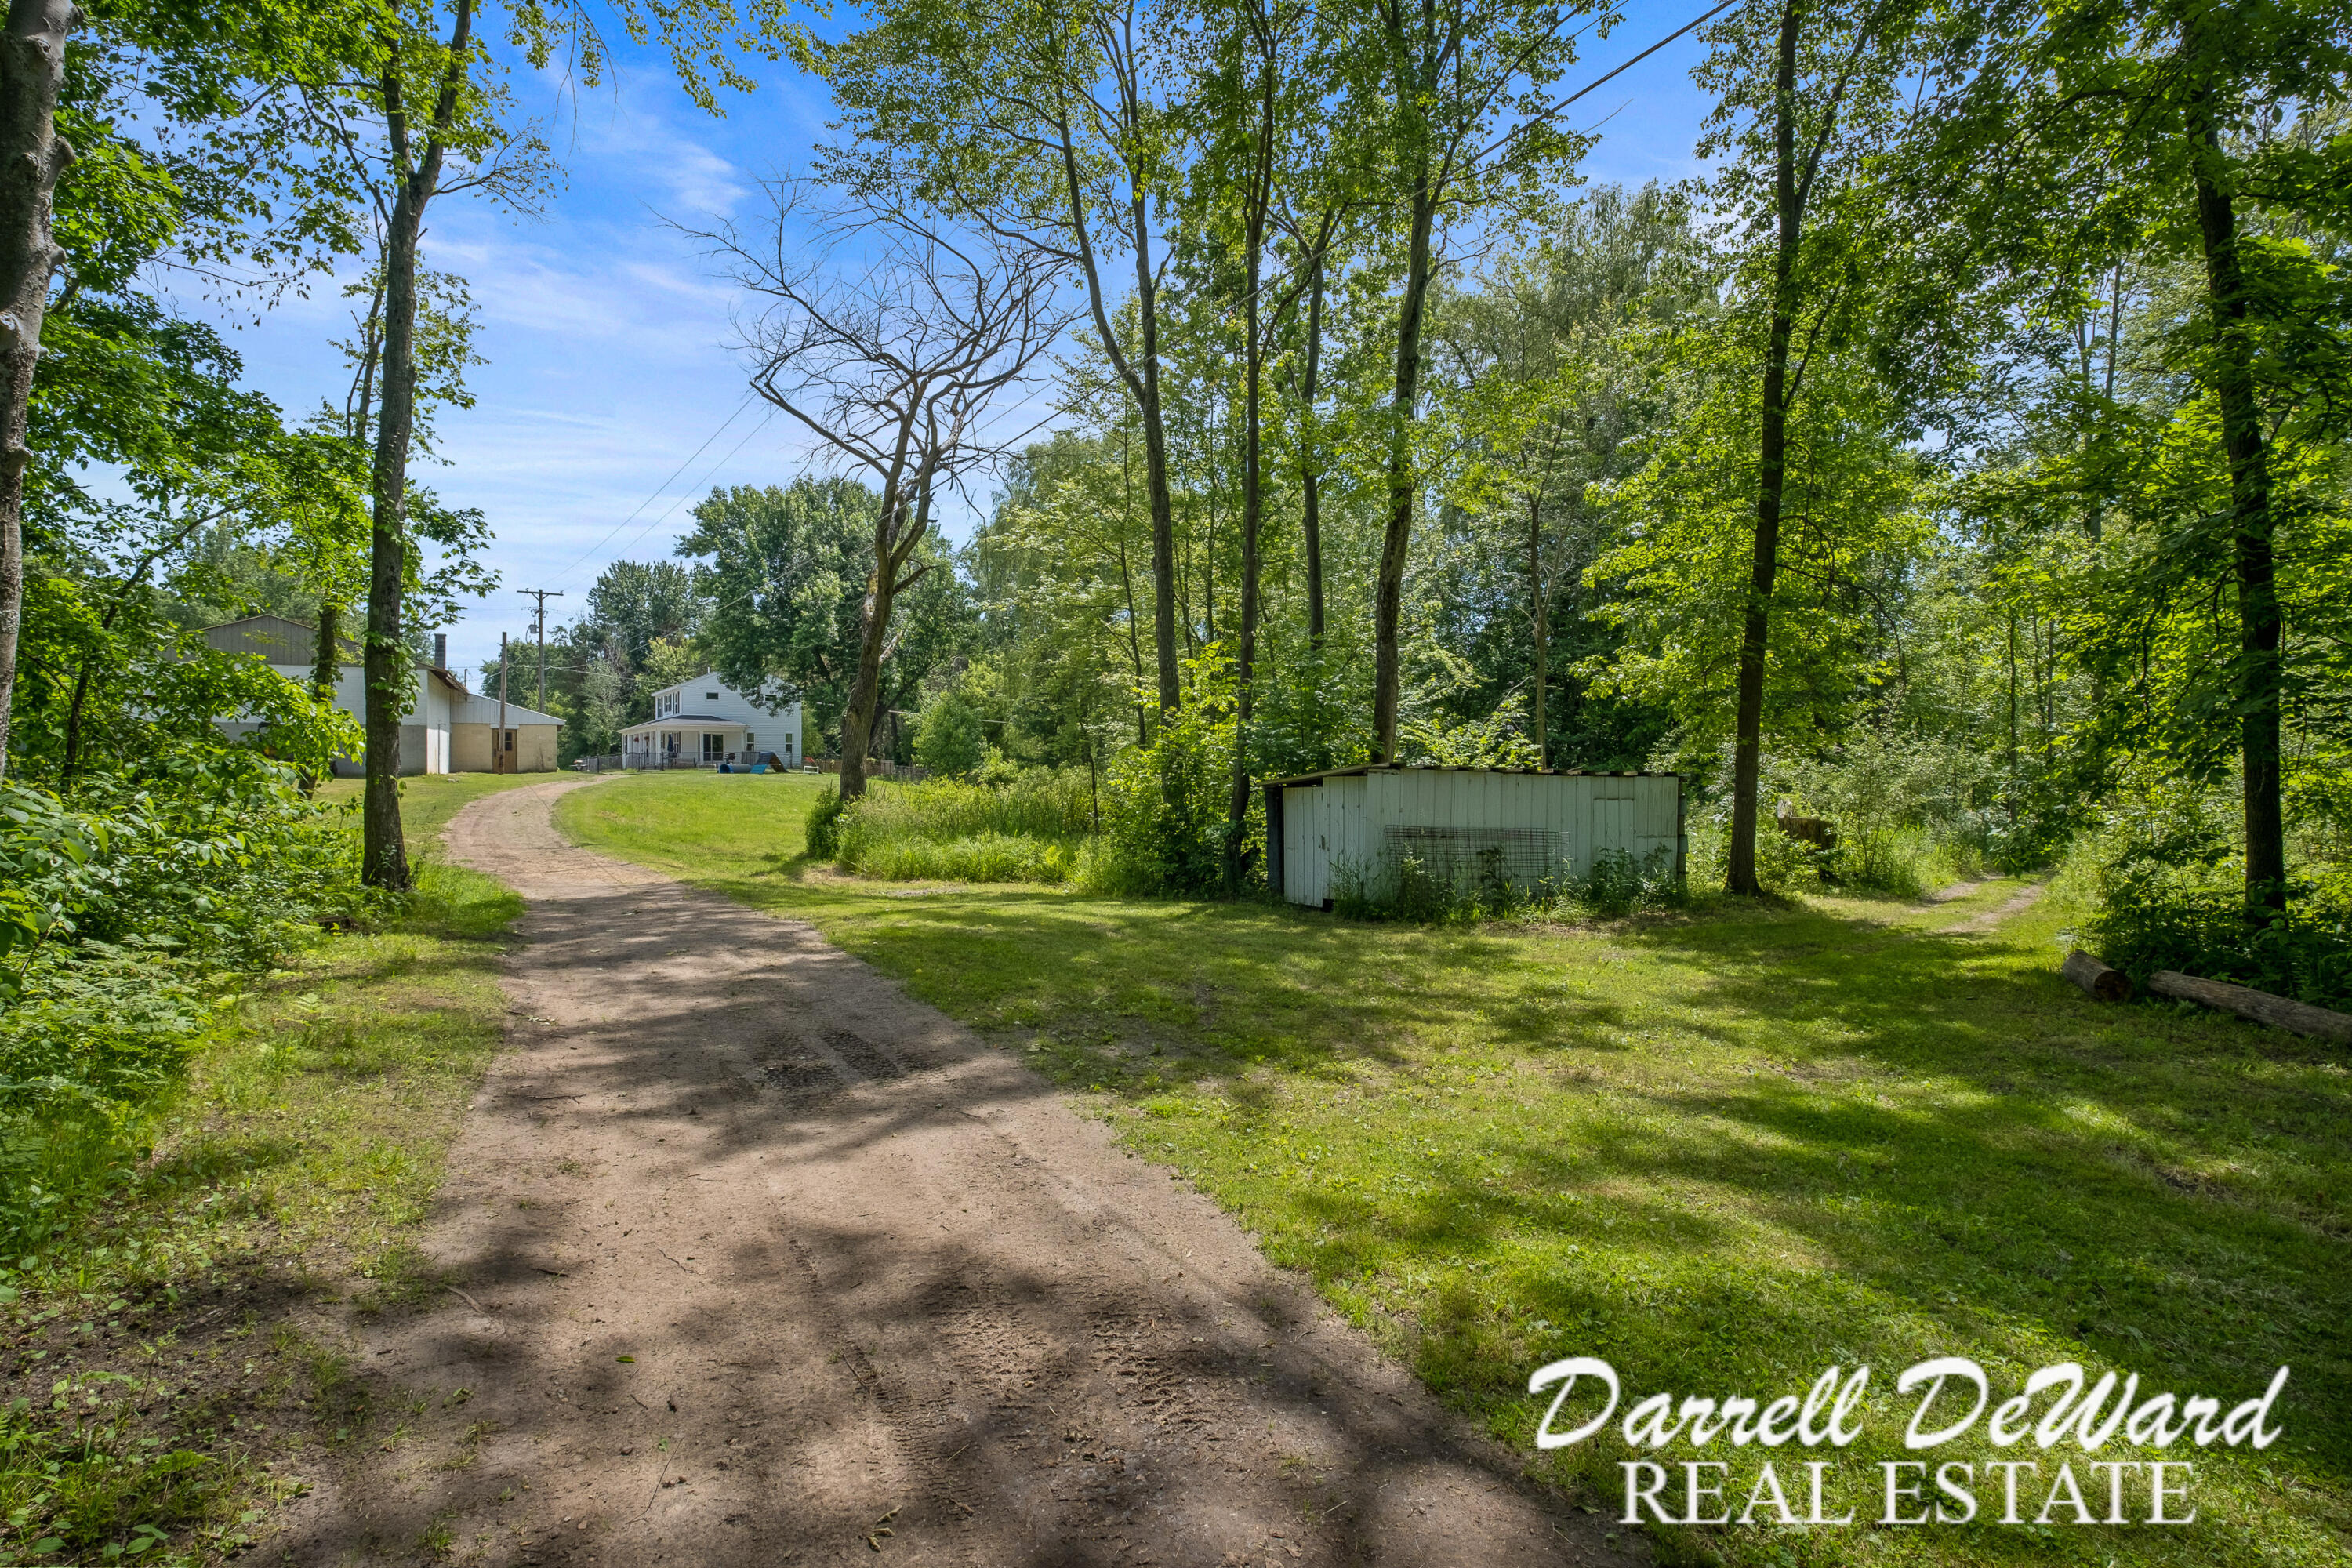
[
  {"x": 1165, "y": 828},
  {"x": 2168, "y": 882},
  {"x": 124, "y": 909},
  {"x": 2305, "y": 953},
  {"x": 948, "y": 741},
  {"x": 822, "y": 836}
]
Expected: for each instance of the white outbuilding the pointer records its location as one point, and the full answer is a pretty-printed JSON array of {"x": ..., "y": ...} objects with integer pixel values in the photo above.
[{"x": 1357, "y": 826}]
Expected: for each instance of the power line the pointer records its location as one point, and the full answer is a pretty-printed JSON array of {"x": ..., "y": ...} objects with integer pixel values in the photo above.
[
  {"x": 660, "y": 489},
  {"x": 1645, "y": 55},
  {"x": 708, "y": 475}
]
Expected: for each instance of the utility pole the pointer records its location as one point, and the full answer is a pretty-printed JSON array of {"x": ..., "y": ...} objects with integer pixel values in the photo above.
[
  {"x": 542, "y": 595},
  {"x": 498, "y": 741}
]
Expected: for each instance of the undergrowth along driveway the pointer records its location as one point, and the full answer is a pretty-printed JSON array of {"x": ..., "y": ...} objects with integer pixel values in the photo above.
[
  {"x": 1723, "y": 1149},
  {"x": 170, "y": 1366}
]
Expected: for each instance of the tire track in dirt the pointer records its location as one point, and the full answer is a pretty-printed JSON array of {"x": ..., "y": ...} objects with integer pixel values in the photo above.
[{"x": 751, "y": 1258}]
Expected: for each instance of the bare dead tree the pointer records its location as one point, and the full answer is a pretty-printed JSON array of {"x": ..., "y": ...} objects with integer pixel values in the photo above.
[{"x": 891, "y": 340}]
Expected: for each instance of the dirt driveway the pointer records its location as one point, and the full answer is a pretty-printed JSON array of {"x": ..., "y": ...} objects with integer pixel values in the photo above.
[{"x": 757, "y": 1260}]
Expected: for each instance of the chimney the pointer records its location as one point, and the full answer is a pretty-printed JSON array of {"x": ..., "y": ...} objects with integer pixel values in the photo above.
[{"x": 440, "y": 650}]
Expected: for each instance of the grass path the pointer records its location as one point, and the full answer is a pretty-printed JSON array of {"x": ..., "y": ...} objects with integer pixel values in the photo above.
[{"x": 1722, "y": 1149}]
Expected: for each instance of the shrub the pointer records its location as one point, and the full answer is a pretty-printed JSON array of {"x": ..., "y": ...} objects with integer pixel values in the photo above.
[
  {"x": 948, "y": 738},
  {"x": 1165, "y": 828},
  {"x": 2305, "y": 953},
  {"x": 822, "y": 834},
  {"x": 125, "y": 910},
  {"x": 2168, "y": 882}
]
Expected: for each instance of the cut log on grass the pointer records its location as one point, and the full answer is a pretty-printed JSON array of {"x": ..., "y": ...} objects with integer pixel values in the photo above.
[
  {"x": 2260, "y": 1005},
  {"x": 2098, "y": 982}
]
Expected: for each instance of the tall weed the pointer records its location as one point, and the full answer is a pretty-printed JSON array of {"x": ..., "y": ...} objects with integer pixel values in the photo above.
[{"x": 1026, "y": 831}]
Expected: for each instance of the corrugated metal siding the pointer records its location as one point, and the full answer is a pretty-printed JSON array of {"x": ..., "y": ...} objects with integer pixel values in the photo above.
[
  {"x": 1344, "y": 822},
  {"x": 1343, "y": 829}
]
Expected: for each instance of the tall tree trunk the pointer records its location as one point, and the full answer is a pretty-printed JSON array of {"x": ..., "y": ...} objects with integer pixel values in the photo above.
[
  {"x": 1536, "y": 592},
  {"x": 391, "y": 679},
  {"x": 1771, "y": 461},
  {"x": 1253, "y": 372},
  {"x": 1155, "y": 472},
  {"x": 873, "y": 634},
  {"x": 1387, "y": 598},
  {"x": 1310, "y": 465},
  {"x": 32, "y": 156},
  {"x": 1127, "y": 583},
  {"x": 2260, "y": 675}
]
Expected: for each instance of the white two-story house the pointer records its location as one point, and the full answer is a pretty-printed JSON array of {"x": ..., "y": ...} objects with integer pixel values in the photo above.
[{"x": 705, "y": 723}]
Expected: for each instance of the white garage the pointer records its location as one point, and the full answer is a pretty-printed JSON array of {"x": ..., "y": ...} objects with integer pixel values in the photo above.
[{"x": 1461, "y": 823}]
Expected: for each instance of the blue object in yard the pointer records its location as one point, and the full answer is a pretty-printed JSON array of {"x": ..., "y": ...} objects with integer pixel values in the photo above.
[{"x": 758, "y": 767}]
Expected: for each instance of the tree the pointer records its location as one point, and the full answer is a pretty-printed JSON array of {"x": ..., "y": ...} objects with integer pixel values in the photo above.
[
  {"x": 638, "y": 602},
  {"x": 32, "y": 156},
  {"x": 1252, "y": 95},
  {"x": 791, "y": 565},
  {"x": 948, "y": 739},
  {"x": 1452, "y": 103},
  {"x": 1037, "y": 123},
  {"x": 192, "y": 164},
  {"x": 897, "y": 368},
  {"x": 1547, "y": 384},
  {"x": 1799, "y": 136},
  {"x": 426, "y": 117},
  {"x": 2096, "y": 129}
]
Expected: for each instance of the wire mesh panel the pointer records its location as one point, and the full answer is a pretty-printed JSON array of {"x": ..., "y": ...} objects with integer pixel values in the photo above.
[{"x": 1465, "y": 856}]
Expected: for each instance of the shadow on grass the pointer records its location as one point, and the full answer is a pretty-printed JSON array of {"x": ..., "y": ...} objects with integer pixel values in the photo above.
[{"x": 1725, "y": 1149}]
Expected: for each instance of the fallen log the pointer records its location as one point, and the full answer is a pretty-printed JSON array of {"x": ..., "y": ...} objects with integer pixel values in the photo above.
[
  {"x": 2098, "y": 982},
  {"x": 2262, "y": 1007}
]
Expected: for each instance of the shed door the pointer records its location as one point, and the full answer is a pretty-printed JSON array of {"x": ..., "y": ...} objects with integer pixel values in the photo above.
[{"x": 1305, "y": 861}]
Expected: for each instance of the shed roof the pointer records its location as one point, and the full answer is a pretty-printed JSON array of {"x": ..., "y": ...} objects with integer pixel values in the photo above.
[
  {"x": 1360, "y": 769},
  {"x": 482, "y": 707}
]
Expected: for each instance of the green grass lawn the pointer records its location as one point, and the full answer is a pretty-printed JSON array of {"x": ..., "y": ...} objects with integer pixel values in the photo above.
[
  {"x": 1723, "y": 1149},
  {"x": 163, "y": 1385}
]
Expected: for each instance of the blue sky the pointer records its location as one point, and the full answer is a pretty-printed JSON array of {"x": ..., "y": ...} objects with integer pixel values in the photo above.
[{"x": 608, "y": 335}]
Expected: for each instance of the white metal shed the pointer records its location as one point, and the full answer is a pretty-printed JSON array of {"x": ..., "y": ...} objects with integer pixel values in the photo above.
[{"x": 1322, "y": 828}]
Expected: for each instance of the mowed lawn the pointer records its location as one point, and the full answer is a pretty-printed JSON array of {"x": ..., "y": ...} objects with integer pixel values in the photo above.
[{"x": 1723, "y": 1149}]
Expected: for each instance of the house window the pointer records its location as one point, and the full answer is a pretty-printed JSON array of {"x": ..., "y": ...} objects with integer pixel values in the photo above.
[
  {"x": 511, "y": 740},
  {"x": 748, "y": 749},
  {"x": 714, "y": 747},
  {"x": 710, "y": 697}
]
